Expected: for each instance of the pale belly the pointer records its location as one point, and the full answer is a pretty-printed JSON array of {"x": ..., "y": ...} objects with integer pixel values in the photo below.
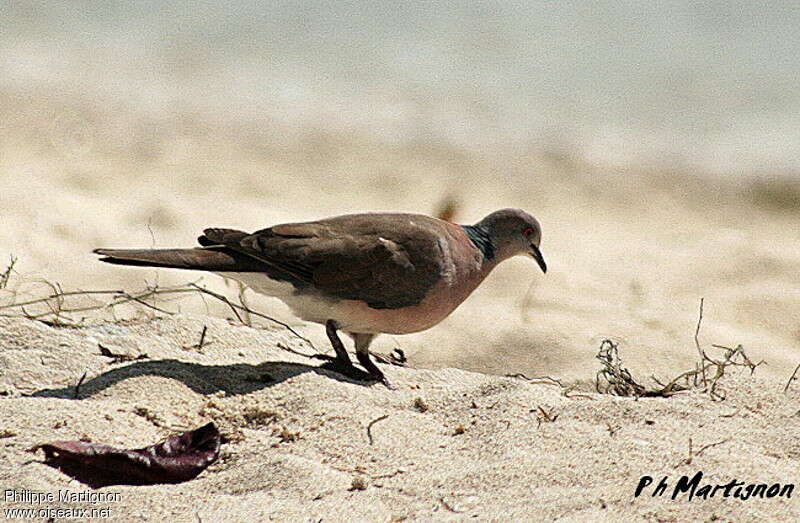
[{"x": 356, "y": 316}]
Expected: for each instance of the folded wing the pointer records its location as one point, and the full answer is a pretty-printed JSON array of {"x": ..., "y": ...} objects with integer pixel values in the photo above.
[{"x": 351, "y": 258}]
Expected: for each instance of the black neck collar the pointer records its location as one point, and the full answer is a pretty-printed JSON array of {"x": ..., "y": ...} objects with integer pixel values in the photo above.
[{"x": 480, "y": 238}]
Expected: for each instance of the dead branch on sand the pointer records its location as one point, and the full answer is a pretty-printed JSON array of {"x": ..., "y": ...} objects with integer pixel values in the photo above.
[
  {"x": 4, "y": 277},
  {"x": 694, "y": 453},
  {"x": 791, "y": 378},
  {"x": 615, "y": 379},
  {"x": 59, "y": 308}
]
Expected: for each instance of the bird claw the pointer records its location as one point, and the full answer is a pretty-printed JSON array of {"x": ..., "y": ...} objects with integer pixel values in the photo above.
[
  {"x": 347, "y": 369},
  {"x": 351, "y": 371}
]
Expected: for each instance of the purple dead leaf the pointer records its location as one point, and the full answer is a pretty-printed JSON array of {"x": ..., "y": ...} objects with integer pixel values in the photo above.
[{"x": 176, "y": 459}]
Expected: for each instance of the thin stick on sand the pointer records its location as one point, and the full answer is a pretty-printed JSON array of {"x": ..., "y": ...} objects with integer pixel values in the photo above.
[
  {"x": 791, "y": 378},
  {"x": 61, "y": 313}
]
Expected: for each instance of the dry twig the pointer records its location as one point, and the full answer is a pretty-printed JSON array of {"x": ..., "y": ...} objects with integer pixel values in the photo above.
[
  {"x": 57, "y": 308},
  {"x": 545, "y": 417},
  {"x": 693, "y": 454},
  {"x": 615, "y": 379},
  {"x": 700, "y": 350},
  {"x": 200, "y": 344},
  {"x": 77, "y": 393},
  {"x": 544, "y": 380},
  {"x": 791, "y": 378},
  {"x": 202, "y": 338},
  {"x": 4, "y": 277},
  {"x": 373, "y": 422}
]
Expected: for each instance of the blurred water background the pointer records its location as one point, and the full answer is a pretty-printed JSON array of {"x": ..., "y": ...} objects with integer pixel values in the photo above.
[{"x": 706, "y": 86}]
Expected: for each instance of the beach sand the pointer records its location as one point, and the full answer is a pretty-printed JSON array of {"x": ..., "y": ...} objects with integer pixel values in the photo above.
[
  {"x": 630, "y": 253},
  {"x": 447, "y": 445}
]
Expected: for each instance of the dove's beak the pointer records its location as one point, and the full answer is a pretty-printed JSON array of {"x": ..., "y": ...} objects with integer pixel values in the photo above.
[{"x": 536, "y": 254}]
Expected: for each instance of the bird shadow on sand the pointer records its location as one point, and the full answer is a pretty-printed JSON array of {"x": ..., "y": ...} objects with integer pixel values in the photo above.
[{"x": 233, "y": 379}]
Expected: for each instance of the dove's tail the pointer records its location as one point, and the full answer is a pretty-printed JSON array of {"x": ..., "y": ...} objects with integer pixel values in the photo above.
[{"x": 200, "y": 259}]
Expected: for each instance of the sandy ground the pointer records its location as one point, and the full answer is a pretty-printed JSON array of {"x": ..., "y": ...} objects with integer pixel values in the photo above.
[
  {"x": 631, "y": 252},
  {"x": 448, "y": 445}
]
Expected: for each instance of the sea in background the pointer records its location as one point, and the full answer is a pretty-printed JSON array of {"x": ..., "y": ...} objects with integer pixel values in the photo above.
[{"x": 710, "y": 87}]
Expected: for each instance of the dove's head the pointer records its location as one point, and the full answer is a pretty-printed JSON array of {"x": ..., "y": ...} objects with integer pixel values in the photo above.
[{"x": 512, "y": 232}]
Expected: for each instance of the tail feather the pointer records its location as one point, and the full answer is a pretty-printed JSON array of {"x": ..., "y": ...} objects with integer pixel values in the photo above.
[{"x": 213, "y": 259}]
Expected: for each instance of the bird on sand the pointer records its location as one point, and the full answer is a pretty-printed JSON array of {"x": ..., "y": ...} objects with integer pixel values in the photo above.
[{"x": 364, "y": 274}]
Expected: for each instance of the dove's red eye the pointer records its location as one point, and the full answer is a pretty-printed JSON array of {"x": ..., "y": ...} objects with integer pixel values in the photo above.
[{"x": 527, "y": 232}]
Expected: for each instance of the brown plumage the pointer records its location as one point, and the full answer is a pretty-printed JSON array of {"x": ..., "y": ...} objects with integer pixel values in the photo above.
[{"x": 362, "y": 273}]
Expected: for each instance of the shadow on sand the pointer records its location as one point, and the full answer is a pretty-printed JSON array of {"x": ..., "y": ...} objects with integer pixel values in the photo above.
[{"x": 234, "y": 379}]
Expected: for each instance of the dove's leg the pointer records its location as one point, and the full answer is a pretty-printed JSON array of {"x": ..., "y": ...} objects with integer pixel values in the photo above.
[
  {"x": 341, "y": 353},
  {"x": 363, "y": 342},
  {"x": 341, "y": 362}
]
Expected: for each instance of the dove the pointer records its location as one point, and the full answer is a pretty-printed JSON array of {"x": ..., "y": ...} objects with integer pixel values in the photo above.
[{"x": 362, "y": 274}]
